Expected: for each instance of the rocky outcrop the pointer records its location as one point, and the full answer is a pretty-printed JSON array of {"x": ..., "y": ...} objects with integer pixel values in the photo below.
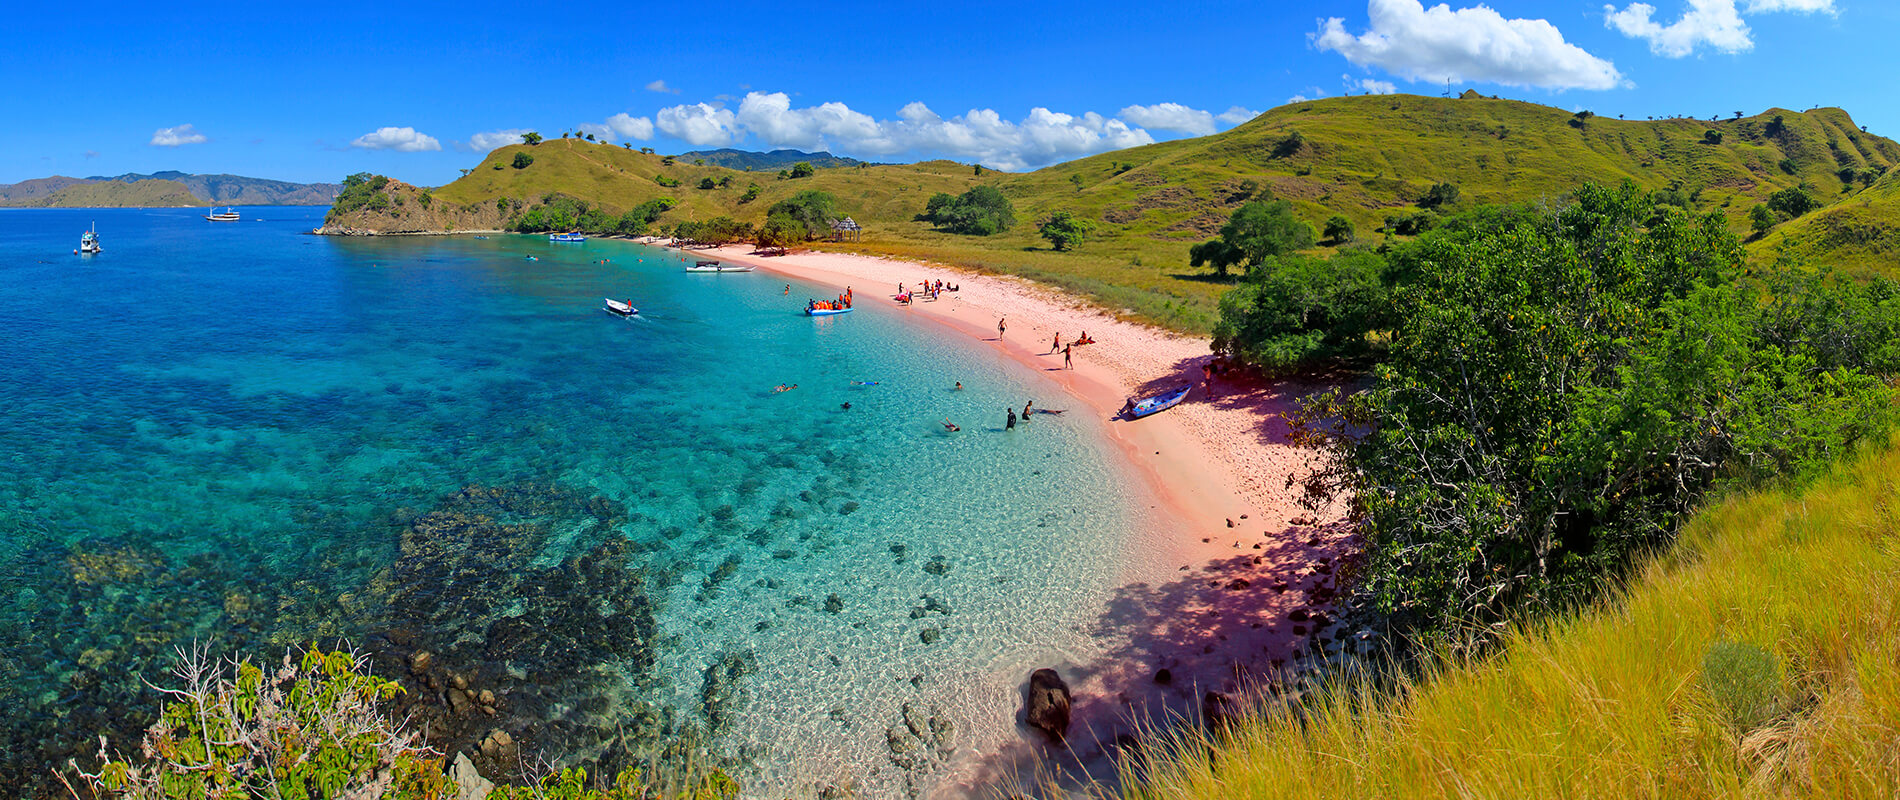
[
  {"x": 399, "y": 208},
  {"x": 1047, "y": 706}
]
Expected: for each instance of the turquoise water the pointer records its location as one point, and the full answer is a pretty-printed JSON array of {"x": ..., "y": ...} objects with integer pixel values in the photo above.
[{"x": 228, "y": 433}]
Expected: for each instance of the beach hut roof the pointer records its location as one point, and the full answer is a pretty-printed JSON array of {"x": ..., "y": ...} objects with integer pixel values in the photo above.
[{"x": 846, "y": 224}]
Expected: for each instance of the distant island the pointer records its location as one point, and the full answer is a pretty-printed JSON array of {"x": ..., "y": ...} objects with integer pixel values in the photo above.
[{"x": 168, "y": 189}]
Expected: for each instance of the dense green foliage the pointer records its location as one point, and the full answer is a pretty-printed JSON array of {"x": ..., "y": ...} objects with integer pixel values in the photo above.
[
  {"x": 531, "y": 138},
  {"x": 1339, "y": 230},
  {"x": 361, "y": 191},
  {"x": 802, "y": 169},
  {"x": 1792, "y": 202},
  {"x": 1258, "y": 230},
  {"x": 981, "y": 211},
  {"x": 1558, "y": 392},
  {"x": 560, "y": 213},
  {"x": 1296, "y": 313},
  {"x": 806, "y": 215},
  {"x": 1064, "y": 230},
  {"x": 716, "y": 231},
  {"x": 522, "y": 160}
]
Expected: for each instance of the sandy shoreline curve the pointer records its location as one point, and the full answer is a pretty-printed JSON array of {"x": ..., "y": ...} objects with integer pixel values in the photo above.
[{"x": 1242, "y": 555}]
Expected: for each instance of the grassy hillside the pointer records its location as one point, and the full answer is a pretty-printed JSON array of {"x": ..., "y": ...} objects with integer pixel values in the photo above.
[
  {"x": 1860, "y": 234},
  {"x": 1760, "y": 658},
  {"x": 1365, "y": 158},
  {"x": 114, "y": 194},
  {"x": 22, "y": 193}
]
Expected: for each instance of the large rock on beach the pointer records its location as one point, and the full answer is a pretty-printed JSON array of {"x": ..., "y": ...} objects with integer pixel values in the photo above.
[{"x": 1046, "y": 708}]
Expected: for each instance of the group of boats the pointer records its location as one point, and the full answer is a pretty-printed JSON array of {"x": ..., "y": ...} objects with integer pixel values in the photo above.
[{"x": 89, "y": 241}]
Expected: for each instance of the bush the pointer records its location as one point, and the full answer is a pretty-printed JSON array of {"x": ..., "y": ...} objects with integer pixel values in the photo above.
[
  {"x": 803, "y": 169},
  {"x": 981, "y": 211},
  {"x": 361, "y": 190},
  {"x": 1558, "y": 395},
  {"x": 751, "y": 194},
  {"x": 1439, "y": 196},
  {"x": 311, "y": 728},
  {"x": 810, "y": 213},
  {"x": 1297, "y": 313},
  {"x": 666, "y": 181},
  {"x": 1338, "y": 230},
  {"x": 708, "y": 183},
  {"x": 1063, "y": 230},
  {"x": 522, "y": 160},
  {"x": 1787, "y": 165},
  {"x": 1711, "y": 136},
  {"x": 1792, "y": 202}
]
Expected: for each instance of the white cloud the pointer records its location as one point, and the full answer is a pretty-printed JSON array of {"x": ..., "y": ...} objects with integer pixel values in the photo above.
[
  {"x": 1368, "y": 85},
  {"x": 620, "y": 126},
  {"x": 92, "y": 154},
  {"x": 1467, "y": 44},
  {"x": 489, "y": 140},
  {"x": 661, "y": 87},
  {"x": 772, "y": 118},
  {"x": 1298, "y": 98},
  {"x": 173, "y": 137},
  {"x": 698, "y": 124},
  {"x": 1170, "y": 117},
  {"x": 1235, "y": 115},
  {"x": 1716, "y": 23},
  {"x": 401, "y": 140}
]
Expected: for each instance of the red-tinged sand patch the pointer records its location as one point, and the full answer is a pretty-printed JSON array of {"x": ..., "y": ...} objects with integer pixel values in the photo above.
[{"x": 1243, "y": 559}]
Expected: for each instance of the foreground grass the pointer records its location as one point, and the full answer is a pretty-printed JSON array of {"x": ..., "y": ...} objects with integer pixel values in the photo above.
[{"x": 1637, "y": 698}]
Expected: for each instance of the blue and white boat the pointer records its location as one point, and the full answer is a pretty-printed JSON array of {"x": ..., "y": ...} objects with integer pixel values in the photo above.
[
  {"x": 1157, "y": 403},
  {"x": 89, "y": 241},
  {"x": 566, "y": 237}
]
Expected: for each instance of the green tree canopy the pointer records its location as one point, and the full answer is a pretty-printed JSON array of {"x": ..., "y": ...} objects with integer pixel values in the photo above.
[
  {"x": 981, "y": 211},
  {"x": 531, "y": 138},
  {"x": 803, "y": 169},
  {"x": 812, "y": 210},
  {"x": 1256, "y": 231},
  {"x": 1338, "y": 229},
  {"x": 522, "y": 160},
  {"x": 1064, "y": 230}
]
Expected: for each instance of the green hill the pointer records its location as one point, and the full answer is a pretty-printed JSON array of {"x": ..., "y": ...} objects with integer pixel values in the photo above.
[
  {"x": 773, "y": 161},
  {"x": 1759, "y": 658},
  {"x": 115, "y": 194},
  {"x": 1859, "y": 234},
  {"x": 1365, "y": 158},
  {"x": 237, "y": 190}
]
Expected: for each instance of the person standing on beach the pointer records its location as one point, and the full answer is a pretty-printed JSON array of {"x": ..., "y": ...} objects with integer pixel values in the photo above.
[
  {"x": 1056, "y": 343},
  {"x": 1011, "y": 424},
  {"x": 1068, "y": 362},
  {"x": 999, "y": 329}
]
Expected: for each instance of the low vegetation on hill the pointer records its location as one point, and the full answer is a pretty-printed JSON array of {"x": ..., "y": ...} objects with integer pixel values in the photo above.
[{"x": 1352, "y": 169}]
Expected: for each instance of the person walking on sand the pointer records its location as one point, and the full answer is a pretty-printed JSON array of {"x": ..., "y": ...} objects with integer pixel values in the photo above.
[
  {"x": 999, "y": 329},
  {"x": 1056, "y": 343},
  {"x": 1011, "y": 424},
  {"x": 1068, "y": 361}
]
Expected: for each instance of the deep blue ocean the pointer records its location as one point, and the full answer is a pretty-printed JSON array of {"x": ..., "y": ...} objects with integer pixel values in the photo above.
[{"x": 245, "y": 436}]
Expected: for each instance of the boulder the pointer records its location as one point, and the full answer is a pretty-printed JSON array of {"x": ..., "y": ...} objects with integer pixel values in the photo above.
[
  {"x": 1047, "y": 706},
  {"x": 469, "y": 784}
]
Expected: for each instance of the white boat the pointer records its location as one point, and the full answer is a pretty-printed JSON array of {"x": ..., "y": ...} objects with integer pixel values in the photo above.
[
  {"x": 89, "y": 241},
  {"x": 566, "y": 237},
  {"x": 227, "y": 215},
  {"x": 621, "y": 307},
  {"x": 715, "y": 266}
]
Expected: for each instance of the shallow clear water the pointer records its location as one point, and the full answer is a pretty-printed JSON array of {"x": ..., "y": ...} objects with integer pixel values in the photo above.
[{"x": 261, "y": 411}]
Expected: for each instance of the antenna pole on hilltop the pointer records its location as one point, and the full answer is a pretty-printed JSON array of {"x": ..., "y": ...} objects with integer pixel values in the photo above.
[{"x": 1447, "y": 87}]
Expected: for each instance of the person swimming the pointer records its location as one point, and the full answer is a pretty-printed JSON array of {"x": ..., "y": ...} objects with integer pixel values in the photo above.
[
  {"x": 785, "y": 388},
  {"x": 950, "y": 426}
]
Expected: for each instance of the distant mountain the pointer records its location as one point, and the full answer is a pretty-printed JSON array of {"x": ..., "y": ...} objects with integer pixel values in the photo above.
[
  {"x": 238, "y": 190},
  {"x": 766, "y": 162},
  {"x": 18, "y": 194},
  {"x": 113, "y": 194}
]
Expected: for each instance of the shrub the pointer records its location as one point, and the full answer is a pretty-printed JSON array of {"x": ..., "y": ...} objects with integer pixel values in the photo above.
[
  {"x": 361, "y": 190},
  {"x": 1063, "y": 230},
  {"x": 751, "y": 194},
  {"x": 1792, "y": 202},
  {"x": 1787, "y": 165},
  {"x": 312, "y": 727},
  {"x": 522, "y": 160},
  {"x": 708, "y": 183},
  {"x": 981, "y": 211},
  {"x": 1338, "y": 229},
  {"x": 803, "y": 169},
  {"x": 1296, "y": 313},
  {"x": 1439, "y": 196},
  {"x": 1711, "y": 136},
  {"x": 666, "y": 181},
  {"x": 810, "y": 212}
]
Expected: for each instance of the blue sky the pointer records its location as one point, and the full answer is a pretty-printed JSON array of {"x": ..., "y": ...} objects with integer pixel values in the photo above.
[{"x": 312, "y": 93}]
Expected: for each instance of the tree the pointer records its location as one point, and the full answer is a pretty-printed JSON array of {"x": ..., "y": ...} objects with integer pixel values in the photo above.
[
  {"x": 647, "y": 150},
  {"x": 708, "y": 183},
  {"x": 981, "y": 211},
  {"x": 1761, "y": 220},
  {"x": 1439, "y": 196},
  {"x": 1296, "y": 313},
  {"x": 751, "y": 194},
  {"x": 531, "y": 138},
  {"x": 1792, "y": 202},
  {"x": 977, "y": 170},
  {"x": 811, "y": 210},
  {"x": 803, "y": 169},
  {"x": 590, "y": 137},
  {"x": 564, "y": 134},
  {"x": 1711, "y": 136},
  {"x": 1256, "y": 231},
  {"x": 522, "y": 160},
  {"x": 1339, "y": 229},
  {"x": 1215, "y": 253},
  {"x": 1063, "y": 230},
  {"x": 1292, "y": 144}
]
